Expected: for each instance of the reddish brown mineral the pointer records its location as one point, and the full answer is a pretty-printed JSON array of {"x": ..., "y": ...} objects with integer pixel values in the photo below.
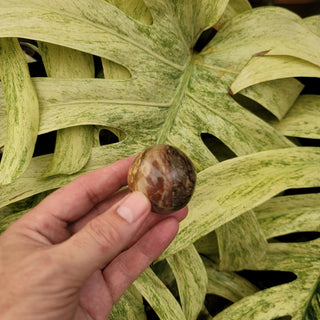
[{"x": 165, "y": 175}]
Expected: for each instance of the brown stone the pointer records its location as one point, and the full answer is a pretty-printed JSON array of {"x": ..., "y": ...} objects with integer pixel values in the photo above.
[{"x": 165, "y": 175}]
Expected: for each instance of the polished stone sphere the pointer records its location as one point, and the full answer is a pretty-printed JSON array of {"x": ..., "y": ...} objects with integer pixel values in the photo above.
[{"x": 165, "y": 175}]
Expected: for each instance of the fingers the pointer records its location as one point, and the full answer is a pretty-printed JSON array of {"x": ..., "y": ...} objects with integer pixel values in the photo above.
[
  {"x": 126, "y": 268},
  {"x": 154, "y": 218},
  {"x": 97, "y": 210},
  {"x": 104, "y": 237},
  {"x": 151, "y": 220},
  {"x": 74, "y": 200},
  {"x": 79, "y": 196}
]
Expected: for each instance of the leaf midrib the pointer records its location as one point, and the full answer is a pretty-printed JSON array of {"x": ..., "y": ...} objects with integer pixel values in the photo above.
[{"x": 175, "y": 103}]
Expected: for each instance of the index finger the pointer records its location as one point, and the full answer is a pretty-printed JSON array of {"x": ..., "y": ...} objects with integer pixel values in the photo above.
[{"x": 75, "y": 199}]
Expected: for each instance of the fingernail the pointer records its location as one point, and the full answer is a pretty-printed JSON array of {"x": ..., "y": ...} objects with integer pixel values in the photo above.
[{"x": 134, "y": 206}]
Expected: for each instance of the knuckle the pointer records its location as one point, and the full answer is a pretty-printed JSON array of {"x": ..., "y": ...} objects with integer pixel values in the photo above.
[
  {"x": 104, "y": 233},
  {"x": 90, "y": 194}
]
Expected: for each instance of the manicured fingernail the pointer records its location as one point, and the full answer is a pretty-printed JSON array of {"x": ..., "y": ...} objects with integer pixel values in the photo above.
[{"x": 134, "y": 206}]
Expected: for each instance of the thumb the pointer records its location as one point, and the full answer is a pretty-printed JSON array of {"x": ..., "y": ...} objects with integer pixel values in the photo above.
[{"x": 104, "y": 237}]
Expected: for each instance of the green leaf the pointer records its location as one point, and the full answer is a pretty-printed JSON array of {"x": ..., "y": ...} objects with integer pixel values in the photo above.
[
  {"x": 7, "y": 221},
  {"x": 22, "y": 111},
  {"x": 303, "y": 119},
  {"x": 255, "y": 179},
  {"x": 313, "y": 23},
  {"x": 107, "y": 31},
  {"x": 13, "y": 212},
  {"x": 165, "y": 108},
  {"x": 313, "y": 310},
  {"x": 62, "y": 62},
  {"x": 191, "y": 278},
  {"x": 78, "y": 141},
  {"x": 228, "y": 285},
  {"x": 295, "y": 299},
  {"x": 248, "y": 133},
  {"x": 130, "y": 306},
  {"x": 233, "y": 8},
  {"x": 158, "y": 296},
  {"x": 266, "y": 68},
  {"x": 32, "y": 182},
  {"x": 289, "y": 214},
  {"x": 247, "y": 36},
  {"x": 262, "y": 68},
  {"x": 208, "y": 246},
  {"x": 138, "y": 10},
  {"x": 114, "y": 71},
  {"x": 241, "y": 242},
  {"x": 134, "y": 8},
  {"x": 277, "y": 96}
]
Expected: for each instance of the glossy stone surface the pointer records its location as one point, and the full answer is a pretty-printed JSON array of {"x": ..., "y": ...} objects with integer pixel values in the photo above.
[{"x": 165, "y": 175}]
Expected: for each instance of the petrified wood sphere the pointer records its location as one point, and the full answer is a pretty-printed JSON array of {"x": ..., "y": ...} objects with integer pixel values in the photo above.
[{"x": 165, "y": 175}]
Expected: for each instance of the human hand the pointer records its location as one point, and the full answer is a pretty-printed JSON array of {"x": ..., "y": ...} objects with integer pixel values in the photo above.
[{"x": 74, "y": 255}]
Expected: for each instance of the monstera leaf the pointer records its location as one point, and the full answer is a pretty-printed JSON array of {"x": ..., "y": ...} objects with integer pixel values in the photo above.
[{"x": 157, "y": 88}]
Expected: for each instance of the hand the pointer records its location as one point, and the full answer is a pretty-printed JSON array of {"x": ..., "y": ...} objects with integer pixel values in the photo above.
[{"x": 74, "y": 255}]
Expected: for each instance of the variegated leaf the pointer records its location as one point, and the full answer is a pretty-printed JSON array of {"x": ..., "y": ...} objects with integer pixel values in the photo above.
[
  {"x": 62, "y": 62},
  {"x": 191, "y": 277},
  {"x": 129, "y": 307},
  {"x": 255, "y": 179},
  {"x": 228, "y": 285},
  {"x": 289, "y": 214},
  {"x": 303, "y": 119},
  {"x": 297, "y": 299},
  {"x": 22, "y": 109},
  {"x": 158, "y": 296}
]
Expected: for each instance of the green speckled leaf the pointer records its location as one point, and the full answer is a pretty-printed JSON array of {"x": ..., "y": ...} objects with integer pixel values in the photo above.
[
  {"x": 134, "y": 8},
  {"x": 188, "y": 84},
  {"x": 277, "y": 96},
  {"x": 32, "y": 182},
  {"x": 303, "y": 119},
  {"x": 191, "y": 278},
  {"x": 62, "y": 62},
  {"x": 289, "y": 214},
  {"x": 78, "y": 141},
  {"x": 158, "y": 296},
  {"x": 22, "y": 109},
  {"x": 296, "y": 299},
  {"x": 129, "y": 307},
  {"x": 233, "y": 8},
  {"x": 228, "y": 285},
  {"x": 168, "y": 93},
  {"x": 266, "y": 68},
  {"x": 262, "y": 31},
  {"x": 241, "y": 247},
  {"x": 255, "y": 179},
  {"x": 313, "y": 309},
  {"x": 313, "y": 24},
  {"x": 239, "y": 6},
  {"x": 6, "y": 221}
]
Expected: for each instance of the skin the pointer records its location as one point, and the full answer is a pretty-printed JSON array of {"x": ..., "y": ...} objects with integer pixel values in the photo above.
[{"x": 74, "y": 255}]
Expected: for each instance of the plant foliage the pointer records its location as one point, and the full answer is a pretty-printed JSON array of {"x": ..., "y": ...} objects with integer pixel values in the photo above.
[{"x": 241, "y": 91}]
